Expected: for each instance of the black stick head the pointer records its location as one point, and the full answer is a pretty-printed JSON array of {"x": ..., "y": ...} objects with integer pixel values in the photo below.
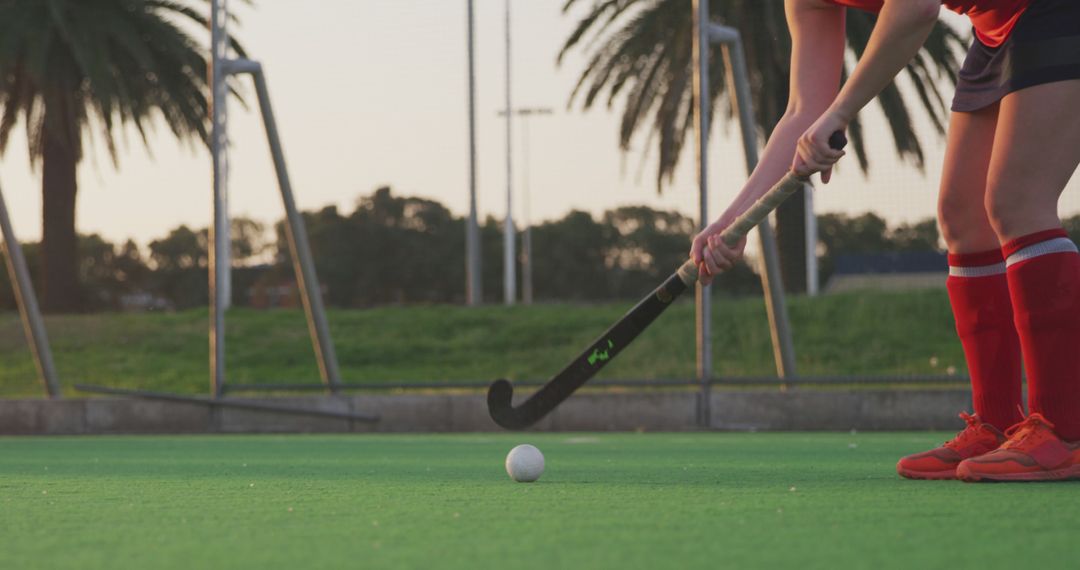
[
  {"x": 499, "y": 398},
  {"x": 500, "y": 394}
]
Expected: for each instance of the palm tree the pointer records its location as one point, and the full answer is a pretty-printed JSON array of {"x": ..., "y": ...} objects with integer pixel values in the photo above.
[
  {"x": 639, "y": 55},
  {"x": 70, "y": 67}
]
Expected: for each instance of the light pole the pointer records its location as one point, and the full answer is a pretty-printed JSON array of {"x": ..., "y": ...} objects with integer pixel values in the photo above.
[
  {"x": 474, "y": 294},
  {"x": 509, "y": 273},
  {"x": 526, "y": 245}
]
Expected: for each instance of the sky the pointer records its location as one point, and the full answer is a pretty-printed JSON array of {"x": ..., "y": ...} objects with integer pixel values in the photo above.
[{"x": 372, "y": 93}]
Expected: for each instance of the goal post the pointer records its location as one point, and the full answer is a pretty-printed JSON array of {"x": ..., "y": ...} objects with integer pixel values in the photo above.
[{"x": 222, "y": 67}]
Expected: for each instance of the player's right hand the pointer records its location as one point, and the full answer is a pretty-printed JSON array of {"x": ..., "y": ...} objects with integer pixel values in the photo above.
[{"x": 711, "y": 254}]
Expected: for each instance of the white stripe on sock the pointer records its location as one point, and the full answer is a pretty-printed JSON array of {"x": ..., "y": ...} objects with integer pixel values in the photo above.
[
  {"x": 1056, "y": 245},
  {"x": 979, "y": 271}
]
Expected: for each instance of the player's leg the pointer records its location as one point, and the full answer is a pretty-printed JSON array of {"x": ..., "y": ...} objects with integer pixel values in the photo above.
[
  {"x": 978, "y": 289},
  {"x": 979, "y": 295},
  {"x": 1036, "y": 151}
]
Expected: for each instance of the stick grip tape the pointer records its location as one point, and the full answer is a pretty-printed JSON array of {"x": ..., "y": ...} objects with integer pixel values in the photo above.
[{"x": 749, "y": 219}]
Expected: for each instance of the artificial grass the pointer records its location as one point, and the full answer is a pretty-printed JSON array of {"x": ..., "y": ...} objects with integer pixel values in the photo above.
[
  {"x": 849, "y": 334},
  {"x": 626, "y": 501}
]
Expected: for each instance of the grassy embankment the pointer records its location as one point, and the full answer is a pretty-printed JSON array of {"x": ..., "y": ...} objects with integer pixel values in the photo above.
[{"x": 864, "y": 333}]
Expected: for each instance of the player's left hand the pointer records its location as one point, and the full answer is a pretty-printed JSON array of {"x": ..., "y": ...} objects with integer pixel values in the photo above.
[
  {"x": 711, "y": 254},
  {"x": 813, "y": 153}
]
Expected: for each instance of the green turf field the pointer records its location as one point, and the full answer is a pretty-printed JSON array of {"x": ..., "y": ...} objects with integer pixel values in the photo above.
[
  {"x": 897, "y": 333},
  {"x": 444, "y": 501}
]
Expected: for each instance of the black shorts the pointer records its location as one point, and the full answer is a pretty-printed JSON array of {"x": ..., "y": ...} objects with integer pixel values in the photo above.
[{"x": 1044, "y": 47}]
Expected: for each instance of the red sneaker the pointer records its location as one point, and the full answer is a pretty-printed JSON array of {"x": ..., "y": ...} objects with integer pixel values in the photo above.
[
  {"x": 940, "y": 463},
  {"x": 1032, "y": 453}
]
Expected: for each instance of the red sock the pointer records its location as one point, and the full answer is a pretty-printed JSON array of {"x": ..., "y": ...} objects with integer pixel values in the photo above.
[
  {"x": 979, "y": 293},
  {"x": 1044, "y": 281}
]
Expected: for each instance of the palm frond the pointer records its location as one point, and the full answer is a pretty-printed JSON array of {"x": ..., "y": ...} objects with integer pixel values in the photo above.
[
  {"x": 110, "y": 63},
  {"x": 640, "y": 58}
]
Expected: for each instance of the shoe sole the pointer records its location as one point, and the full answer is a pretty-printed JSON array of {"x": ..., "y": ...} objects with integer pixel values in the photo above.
[
  {"x": 928, "y": 475},
  {"x": 1066, "y": 474}
]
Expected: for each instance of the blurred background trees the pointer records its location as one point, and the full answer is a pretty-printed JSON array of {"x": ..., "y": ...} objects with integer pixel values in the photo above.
[{"x": 394, "y": 249}]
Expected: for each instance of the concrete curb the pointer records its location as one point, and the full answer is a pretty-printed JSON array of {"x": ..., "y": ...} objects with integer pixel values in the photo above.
[{"x": 731, "y": 410}]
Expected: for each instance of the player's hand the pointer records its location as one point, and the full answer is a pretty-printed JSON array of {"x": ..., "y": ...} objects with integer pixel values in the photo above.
[
  {"x": 813, "y": 153},
  {"x": 711, "y": 254}
]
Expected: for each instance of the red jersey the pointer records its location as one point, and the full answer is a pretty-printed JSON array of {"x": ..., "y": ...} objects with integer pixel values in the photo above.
[{"x": 993, "y": 19}]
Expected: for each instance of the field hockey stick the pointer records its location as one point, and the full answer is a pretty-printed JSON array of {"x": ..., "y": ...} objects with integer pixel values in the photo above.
[{"x": 615, "y": 339}]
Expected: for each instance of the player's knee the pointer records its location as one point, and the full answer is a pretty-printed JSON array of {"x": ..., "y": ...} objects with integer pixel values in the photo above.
[
  {"x": 1005, "y": 207},
  {"x": 958, "y": 219}
]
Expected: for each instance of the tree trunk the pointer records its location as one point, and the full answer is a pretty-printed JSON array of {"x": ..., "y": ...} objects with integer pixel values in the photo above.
[
  {"x": 791, "y": 242},
  {"x": 59, "y": 242}
]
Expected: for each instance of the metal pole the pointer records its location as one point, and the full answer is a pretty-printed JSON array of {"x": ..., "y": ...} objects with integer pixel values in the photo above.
[
  {"x": 215, "y": 403},
  {"x": 739, "y": 87},
  {"x": 33, "y": 325},
  {"x": 955, "y": 379},
  {"x": 811, "y": 243},
  {"x": 473, "y": 276},
  {"x": 221, "y": 106},
  {"x": 526, "y": 245},
  {"x": 701, "y": 121},
  {"x": 509, "y": 273},
  {"x": 219, "y": 230},
  {"x": 296, "y": 234}
]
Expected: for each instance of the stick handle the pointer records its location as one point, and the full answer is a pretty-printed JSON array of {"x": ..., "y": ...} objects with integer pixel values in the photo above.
[
  {"x": 757, "y": 213},
  {"x": 761, "y": 209},
  {"x": 749, "y": 219}
]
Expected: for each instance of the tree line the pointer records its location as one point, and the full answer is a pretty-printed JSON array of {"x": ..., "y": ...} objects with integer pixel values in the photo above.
[{"x": 404, "y": 250}]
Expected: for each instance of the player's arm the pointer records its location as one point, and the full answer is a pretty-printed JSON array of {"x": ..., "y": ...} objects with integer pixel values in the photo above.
[
  {"x": 817, "y": 56},
  {"x": 901, "y": 30}
]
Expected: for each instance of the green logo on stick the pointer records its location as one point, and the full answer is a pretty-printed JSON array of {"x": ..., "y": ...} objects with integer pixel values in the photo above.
[{"x": 600, "y": 356}]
